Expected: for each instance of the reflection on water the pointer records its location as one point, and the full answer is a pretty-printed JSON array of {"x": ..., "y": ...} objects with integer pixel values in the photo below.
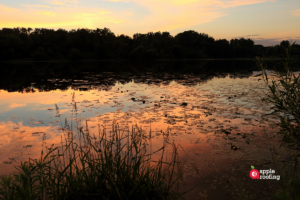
[{"x": 217, "y": 111}]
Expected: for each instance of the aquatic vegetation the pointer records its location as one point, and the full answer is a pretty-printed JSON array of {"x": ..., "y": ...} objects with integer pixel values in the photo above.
[
  {"x": 284, "y": 94},
  {"x": 114, "y": 166}
]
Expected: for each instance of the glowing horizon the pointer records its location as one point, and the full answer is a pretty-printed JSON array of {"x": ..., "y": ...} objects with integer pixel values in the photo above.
[{"x": 267, "y": 22}]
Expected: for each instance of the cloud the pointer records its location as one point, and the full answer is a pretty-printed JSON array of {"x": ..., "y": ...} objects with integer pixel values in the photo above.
[
  {"x": 37, "y": 6},
  {"x": 247, "y": 36},
  {"x": 62, "y": 2},
  {"x": 61, "y": 17},
  {"x": 47, "y": 13},
  {"x": 56, "y": 2},
  {"x": 129, "y": 13},
  {"x": 86, "y": 15},
  {"x": 114, "y": 0},
  {"x": 115, "y": 21},
  {"x": 222, "y": 3},
  {"x": 8, "y": 9},
  {"x": 296, "y": 12},
  {"x": 15, "y": 105},
  {"x": 252, "y": 35},
  {"x": 161, "y": 15},
  {"x": 103, "y": 12},
  {"x": 179, "y": 14},
  {"x": 273, "y": 41},
  {"x": 236, "y": 3},
  {"x": 94, "y": 16}
]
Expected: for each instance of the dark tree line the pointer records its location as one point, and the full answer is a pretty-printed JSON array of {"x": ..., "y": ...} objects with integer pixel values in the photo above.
[{"x": 100, "y": 44}]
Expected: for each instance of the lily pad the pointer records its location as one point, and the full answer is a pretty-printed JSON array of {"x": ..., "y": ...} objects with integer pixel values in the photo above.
[{"x": 183, "y": 104}]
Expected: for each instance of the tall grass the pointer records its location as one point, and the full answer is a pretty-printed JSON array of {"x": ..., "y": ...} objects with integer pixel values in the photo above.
[
  {"x": 113, "y": 165},
  {"x": 284, "y": 95}
]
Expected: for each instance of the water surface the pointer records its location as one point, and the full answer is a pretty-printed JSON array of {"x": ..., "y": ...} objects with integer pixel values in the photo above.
[{"x": 195, "y": 104}]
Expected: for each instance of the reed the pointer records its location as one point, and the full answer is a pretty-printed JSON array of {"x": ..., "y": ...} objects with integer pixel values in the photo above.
[
  {"x": 284, "y": 95},
  {"x": 84, "y": 166}
]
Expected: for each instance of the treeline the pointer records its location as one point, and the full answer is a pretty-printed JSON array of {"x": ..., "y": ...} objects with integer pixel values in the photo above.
[{"x": 101, "y": 44}]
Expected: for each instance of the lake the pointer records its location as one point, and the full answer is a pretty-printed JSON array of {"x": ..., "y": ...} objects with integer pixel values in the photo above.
[{"x": 213, "y": 109}]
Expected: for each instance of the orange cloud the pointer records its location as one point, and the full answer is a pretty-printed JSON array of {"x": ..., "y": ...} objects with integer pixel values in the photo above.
[
  {"x": 232, "y": 3},
  {"x": 66, "y": 17},
  {"x": 15, "y": 105},
  {"x": 7, "y": 9},
  {"x": 62, "y": 2},
  {"x": 86, "y": 15},
  {"x": 296, "y": 12},
  {"x": 236, "y": 3},
  {"x": 37, "y": 6},
  {"x": 47, "y": 13},
  {"x": 129, "y": 13},
  {"x": 178, "y": 2},
  {"x": 56, "y": 2},
  {"x": 114, "y": 0},
  {"x": 283, "y": 34},
  {"x": 176, "y": 14},
  {"x": 115, "y": 21},
  {"x": 165, "y": 15},
  {"x": 103, "y": 12}
]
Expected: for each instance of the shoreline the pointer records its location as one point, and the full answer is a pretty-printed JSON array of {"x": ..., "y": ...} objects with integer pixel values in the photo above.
[{"x": 122, "y": 60}]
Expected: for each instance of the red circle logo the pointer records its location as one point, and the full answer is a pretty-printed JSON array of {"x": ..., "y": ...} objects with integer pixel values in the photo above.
[{"x": 254, "y": 174}]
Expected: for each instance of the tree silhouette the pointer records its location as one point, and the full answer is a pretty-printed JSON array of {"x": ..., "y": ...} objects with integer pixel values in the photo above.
[{"x": 42, "y": 44}]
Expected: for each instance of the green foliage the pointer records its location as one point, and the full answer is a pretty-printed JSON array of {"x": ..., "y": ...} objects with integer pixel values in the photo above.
[
  {"x": 284, "y": 95},
  {"x": 75, "y": 54},
  {"x": 290, "y": 185},
  {"x": 39, "y": 55},
  {"x": 285, "y": 44},
  {"x": 138, "y": 53},
  {"x": 10, "y": 53},
  {"x": 150, "y": 54},
  {"x": 100, "y": 51},
  {"x": 50, "y": 53},
  {"x": 178, "y": 51},
  {"x": 222, "y": 48}
]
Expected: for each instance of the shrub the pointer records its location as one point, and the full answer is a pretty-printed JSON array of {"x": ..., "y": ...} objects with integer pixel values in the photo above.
[
  {"x": 284, "y": 94},
  {"x": 39, "y": 55},
  {"x": 75, "y": 54},
  {"x": 137, "y": 53}
]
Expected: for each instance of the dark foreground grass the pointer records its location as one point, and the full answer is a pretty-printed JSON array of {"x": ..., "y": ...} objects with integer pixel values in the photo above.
[
  {"x": 110, "y": 166},
  {"x": 284, "y": 94}
]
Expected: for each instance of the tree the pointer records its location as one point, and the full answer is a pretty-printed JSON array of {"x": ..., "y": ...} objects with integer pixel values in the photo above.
[
  {"x": 137, "y": 53},
  {"x": 39, "y": 55},
  {"x": 285, "y": 43},
  {"x": 178, "y": 51},
  {"x": 75, "y": 54}
]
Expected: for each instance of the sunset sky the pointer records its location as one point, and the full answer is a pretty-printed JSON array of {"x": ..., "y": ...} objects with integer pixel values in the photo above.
[{"x": 267, "y": 22}]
